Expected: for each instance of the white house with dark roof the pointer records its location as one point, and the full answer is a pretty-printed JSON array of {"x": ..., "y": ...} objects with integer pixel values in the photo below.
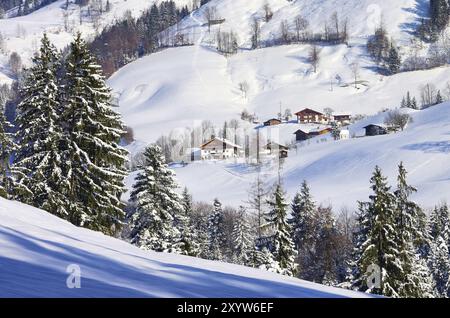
[{"x": 219, "y": 148}]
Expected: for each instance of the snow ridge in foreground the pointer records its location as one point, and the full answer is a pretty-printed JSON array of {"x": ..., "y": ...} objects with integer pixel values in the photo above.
[{"x": 36, "y": 248}]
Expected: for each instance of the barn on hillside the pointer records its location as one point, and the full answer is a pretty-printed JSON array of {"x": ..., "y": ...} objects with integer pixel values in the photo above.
[{"x": 376, "y": 130}]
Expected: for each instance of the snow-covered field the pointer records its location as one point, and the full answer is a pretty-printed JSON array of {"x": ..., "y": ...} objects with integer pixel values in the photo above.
[{"x": 36, "y": 249}]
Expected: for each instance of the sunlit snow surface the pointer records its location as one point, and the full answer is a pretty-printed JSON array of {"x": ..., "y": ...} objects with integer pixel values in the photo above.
[{"x": 36, "y": 248}]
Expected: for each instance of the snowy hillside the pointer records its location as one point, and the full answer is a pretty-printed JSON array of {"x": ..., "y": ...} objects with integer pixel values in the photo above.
[
  {"x": 339, "y": 172},
  {"x": 22, "y": 34},
  {"x": 37, "y": 248},
  {"x": 363, "y": 16},
  {"x": 202, "y": 84}
]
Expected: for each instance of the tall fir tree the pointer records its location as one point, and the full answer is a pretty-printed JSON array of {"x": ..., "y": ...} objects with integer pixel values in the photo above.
[
  {"x": 439, "y": 259},
  {"x": 303, "y": 210},
  {"x": 38, "y": 159},
  {"x": 92, "y": 131},
  {"x": 415, "y": 280},
  {"x": 216, "y": 235},
  {"x": 284, "y": 248},
  {"x": 242, "y": 238},
  {"x": 6, "y": 148},
  {"x": 376, "y": 246},
  {"x": 303, "y": 229},
  {"x": 394, "y": 62},
  {"x": 189, "y": 243},
  {"x": 157, "y": 205},
  {"x": 409, "y": 103}
]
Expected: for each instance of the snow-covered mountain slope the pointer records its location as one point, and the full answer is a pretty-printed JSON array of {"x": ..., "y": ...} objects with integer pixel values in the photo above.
[
  {"x": 22, "y": 34},
  {"x": 176, "y": 87},
  {"x": 363, "y": 16},
  {"x": 339, "y": 171},
  {"x": 37, "y": 248}
]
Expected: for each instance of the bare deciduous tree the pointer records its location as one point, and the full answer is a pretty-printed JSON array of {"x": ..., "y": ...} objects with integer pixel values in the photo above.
[
  {"x": 314, "y": 57},
  {"x": 210, "y": 14},
  {"x": 255, "y": 33},
  {"x": 397, "y": 120},
  {"x": 355, "y": 68},
  {"x": 284, "y": 31},
  {"x": 244, "y": 88},
  {"x": 428, "y": 94},
  {"x": 301, "y": 27},
  {"x": 15, "y": 63}
]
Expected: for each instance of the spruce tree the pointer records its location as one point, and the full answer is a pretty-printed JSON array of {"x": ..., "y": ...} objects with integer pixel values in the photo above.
[
  {"x": 403, "y": 104},
  {"x": 439, "y": 261},
  {"x": 243, "y": 242},
  {"x": 376, "y": 241},
  {"x": 325, "y": 262},
  {"x": 268, "y": 261},
  {"x": 38, "y": 159},
  {"x": 302, "y": 218},
  {"x": 284, "y": 248},
  {"x": 189, "y": 244},
  {"x": 157, "y": 205},
  {"x": 414, "y": 277},
  {"x": 394, "y": 61},
  {"x": 216, "y": 235},
  {"x": 408, "y": 100},
  {"x": 92, "y": 131},
  {"x": 6, "y": 148},
  {"x": 439, "y": 99}
]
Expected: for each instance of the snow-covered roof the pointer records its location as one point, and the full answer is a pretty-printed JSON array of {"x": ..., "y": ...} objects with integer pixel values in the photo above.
[
  {"x": 225, "y": 141},
  {"x": 312, "y": 128}
]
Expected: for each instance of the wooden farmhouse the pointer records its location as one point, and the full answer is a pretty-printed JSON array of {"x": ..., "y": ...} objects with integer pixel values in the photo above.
[
  {"x": 218, "y": 148},
  {"x": 342, "y": 119},
  {"x": 273, "y": 148},
  {"x": 376, "y": 130},
  {"x": 308, "y": 115},
  {"x": 272, "y": 122},
  {"x": 305, "y": 134}
]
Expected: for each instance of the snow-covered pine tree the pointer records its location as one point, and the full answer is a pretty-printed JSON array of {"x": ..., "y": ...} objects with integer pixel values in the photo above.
[
  {"x": 403, "y": 103},
  {"x": 335, "y": 131},
  {"x": 356, "y": 279},
  {"x": 393, "y": 62},
  {"x": 268, "y": 262},
  {"x": 242, "y": 238},
  {"x": 6, "y": 148},
  {"x": 439, "y": 98},
  {"x": 38, "y": 160},
  {"x": 284, "y": 248},
  {"x": 303, "y": 228},
  {"x": 414, "y": 277},
  {"x": 408, "y": 100},
  {"x": 156, "y": 205},
  {"x": 376, "y": 241},
  {"x": 323, "y": 268},
  {"x": 216, "y": 235},
  {"x": 438, "y": 260},
  {"x": 189, "y": 244},
  {"x": 303, "y": 215},
  {"x": 92, "y": 131},
  {"x": 414, "y": 103}
]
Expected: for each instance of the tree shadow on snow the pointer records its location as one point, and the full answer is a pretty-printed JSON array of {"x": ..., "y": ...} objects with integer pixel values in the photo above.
[
  {"x": 420, "y": 10},
  {"x": 430, "y": 147},
  {"x": 45, "y": 275}
]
